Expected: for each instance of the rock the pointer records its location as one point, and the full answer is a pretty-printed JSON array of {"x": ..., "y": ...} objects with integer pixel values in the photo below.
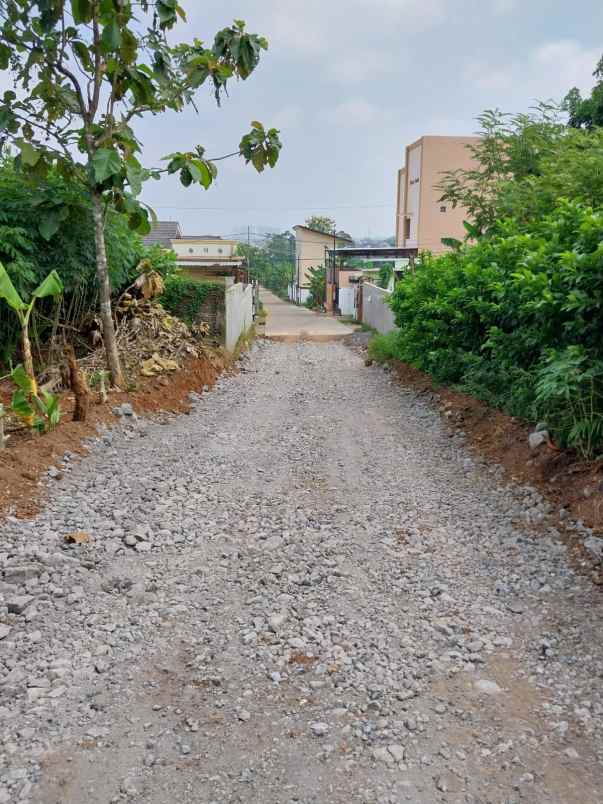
[
  {"x": 537, "y": 439},
  {"x": 124, "y": 410},
  {"x": 487, "y": 687},
  {"x": 319, "y": 729},
  {"x": 244, "y": 715},
  {"x": 381, "y": 754},
  {"x": 130, "y": 540},
  {"x": 17, "y": 605},
  {"x": 276, "y": 621},
  {"x": 4, "y": 631},
  {"x": 447, "y": 782},
  {"x": 397, "y": 752},
  {"x": 594, "y": 546}
]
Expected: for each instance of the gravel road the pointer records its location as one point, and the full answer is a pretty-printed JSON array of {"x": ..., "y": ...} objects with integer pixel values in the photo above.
[{"x": 306, "y": 590}]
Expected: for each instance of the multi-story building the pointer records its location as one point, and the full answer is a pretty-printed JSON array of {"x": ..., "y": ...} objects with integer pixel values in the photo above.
[
  {"x": 311, "y": 247},
  {"x": 422, "y": 218}
]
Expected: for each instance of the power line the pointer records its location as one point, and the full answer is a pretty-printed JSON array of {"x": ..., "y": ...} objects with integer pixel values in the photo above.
[{"x": 272, "y": 209}]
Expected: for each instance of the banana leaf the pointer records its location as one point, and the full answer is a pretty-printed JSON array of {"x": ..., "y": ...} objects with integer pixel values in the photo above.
[{"x": 9, "y": 292}]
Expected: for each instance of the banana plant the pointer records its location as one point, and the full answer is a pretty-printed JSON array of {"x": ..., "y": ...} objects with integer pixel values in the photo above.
[
  {"x": 35, "y": 407},
  {"x": 51, "y": 286}
]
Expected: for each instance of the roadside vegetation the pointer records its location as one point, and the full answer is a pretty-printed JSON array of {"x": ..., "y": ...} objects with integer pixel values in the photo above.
[
  {"x": 514, "y": 314},
  {"x": 76, "y": 281}
]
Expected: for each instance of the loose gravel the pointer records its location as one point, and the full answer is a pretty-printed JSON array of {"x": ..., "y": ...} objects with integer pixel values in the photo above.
[{"x": 306, "y": 590}]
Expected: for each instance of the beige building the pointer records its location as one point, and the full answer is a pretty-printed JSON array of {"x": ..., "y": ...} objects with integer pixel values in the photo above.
[
  {"x": 310, "y": 252},
  {"x": 204, "y": 256},
  {"x": 422, "y": 219},
  {"x": 207, "y": 256}
]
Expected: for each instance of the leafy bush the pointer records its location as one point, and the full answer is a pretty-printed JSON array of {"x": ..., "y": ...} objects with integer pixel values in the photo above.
[
  {"x": 382, "y": 348},
  {"x": 318, "y": 288},
  {"x": 30, "y": 252},
  {"x": 486, "y": 316},
  {"x": 569, "y": 397},
  {"x": 185, "y": 297}
]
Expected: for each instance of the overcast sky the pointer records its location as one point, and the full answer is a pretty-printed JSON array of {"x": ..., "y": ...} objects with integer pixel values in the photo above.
[{"x": 350, "y": 83}]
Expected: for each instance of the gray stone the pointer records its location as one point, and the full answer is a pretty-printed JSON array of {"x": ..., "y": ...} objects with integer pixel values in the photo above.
[
  {"x": 538, "y": 439},
  {"x": 594, "y": 545},
  {"x": 17, "y": 605},
  {"x": 487, "y": 687}
]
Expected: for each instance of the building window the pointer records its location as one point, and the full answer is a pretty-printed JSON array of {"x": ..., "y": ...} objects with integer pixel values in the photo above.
[
  {"x": 220, "y": 251},
  {"x": 406, "y": 228},
  {"x": 191, "y": 251},
  {"x": 442, "y": 209},
  {"x": 206, "y": 251}
]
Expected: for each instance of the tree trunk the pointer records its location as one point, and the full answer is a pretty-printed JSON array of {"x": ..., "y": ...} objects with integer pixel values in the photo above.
[
  {"x": 26, "y": 350},
  {"x": 79, "y": 386},
  {"x": 104, "y": 285}
]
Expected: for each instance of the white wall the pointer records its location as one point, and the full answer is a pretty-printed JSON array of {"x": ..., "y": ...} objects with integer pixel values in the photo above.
[
  {"x": 239, "y": 313},
  {"x": 347, "y": 301},
  {"x": 207, "y": 248},
  {"x": 375, "y": 310}
]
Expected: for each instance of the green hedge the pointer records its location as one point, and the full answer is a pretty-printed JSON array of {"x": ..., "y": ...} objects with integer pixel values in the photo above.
[
  {"x": 517, "y": 320},
  {"x": 184, "y": 297}
]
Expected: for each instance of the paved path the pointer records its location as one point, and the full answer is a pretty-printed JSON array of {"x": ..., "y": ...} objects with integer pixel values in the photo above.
[
  {"x": 288, "y": 322},
  {"x": 303, "y": 592}
]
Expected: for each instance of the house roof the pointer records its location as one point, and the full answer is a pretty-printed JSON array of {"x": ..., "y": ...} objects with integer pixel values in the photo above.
[
  {"x": 163, "y": 232},
  {"x": 326, "y": 234},
  {"x": 205, "y": 237}
]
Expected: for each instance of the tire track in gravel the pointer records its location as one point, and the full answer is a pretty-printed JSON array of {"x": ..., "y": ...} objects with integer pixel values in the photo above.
[{"x": 328, "y": 601}]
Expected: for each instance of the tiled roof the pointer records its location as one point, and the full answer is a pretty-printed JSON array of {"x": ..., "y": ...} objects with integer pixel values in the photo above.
[{"x": 163, "y": 232}]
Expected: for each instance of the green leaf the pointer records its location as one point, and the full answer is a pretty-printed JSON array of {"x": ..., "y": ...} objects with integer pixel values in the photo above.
[
  {"x": 136, "y": 175},
  {"x": 186, "y": 177},
  {"x": 51, "y": 286},
  {"x": 81, "y": 51},
  {"x": 81, "y": 10},
  {"x": 129, "y": 46},
  {"x": 111, "y": 37},
  {"x": 105, "y": 163},
  {"x": 22, "y": 380},
  {"x": 49, "y": 225},
  {"x": 8, "y": 291},
  {"x": 4, "y": 56},
  {"x": 29, "y": 155},
  {"x": 201, "y": 172},
  {"x": 21, "y": 406}
]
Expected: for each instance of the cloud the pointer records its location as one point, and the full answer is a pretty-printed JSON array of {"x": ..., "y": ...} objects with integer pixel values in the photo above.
[
  {"x": 288, "y": 117},
  {"x": 504, "y": 6},
  {"x": 315, "y": 27},
  {"x": 354, "y": 112},
  {"x": 546, "y": 72},
  {"x": 364, "y": 65}
]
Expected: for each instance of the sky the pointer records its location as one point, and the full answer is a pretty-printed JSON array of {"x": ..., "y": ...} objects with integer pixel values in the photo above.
[{"x": 350, "y": 83}]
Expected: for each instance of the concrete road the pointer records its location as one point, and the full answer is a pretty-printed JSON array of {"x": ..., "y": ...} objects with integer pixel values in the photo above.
[{"x": 288, "y": 322}]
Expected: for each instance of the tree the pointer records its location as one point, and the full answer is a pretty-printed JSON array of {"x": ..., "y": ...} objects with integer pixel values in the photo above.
[
  {"x": 83, "y": 74},
  {"x": 509, "y": 153},
  {"x": 321, "y": 223},
  {"x": 586, "y": 112},
  {"x": 272, "y": 263}
]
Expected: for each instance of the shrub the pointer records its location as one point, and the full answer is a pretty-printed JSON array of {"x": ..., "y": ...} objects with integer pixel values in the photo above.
[
  {"x": 185, "y": 297},
  {"x": 487, "y": 317},
  {"x": 382, "y": 348},
  {"x": 569, "y": 397},
  {"x": 318, "y": 288}
]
